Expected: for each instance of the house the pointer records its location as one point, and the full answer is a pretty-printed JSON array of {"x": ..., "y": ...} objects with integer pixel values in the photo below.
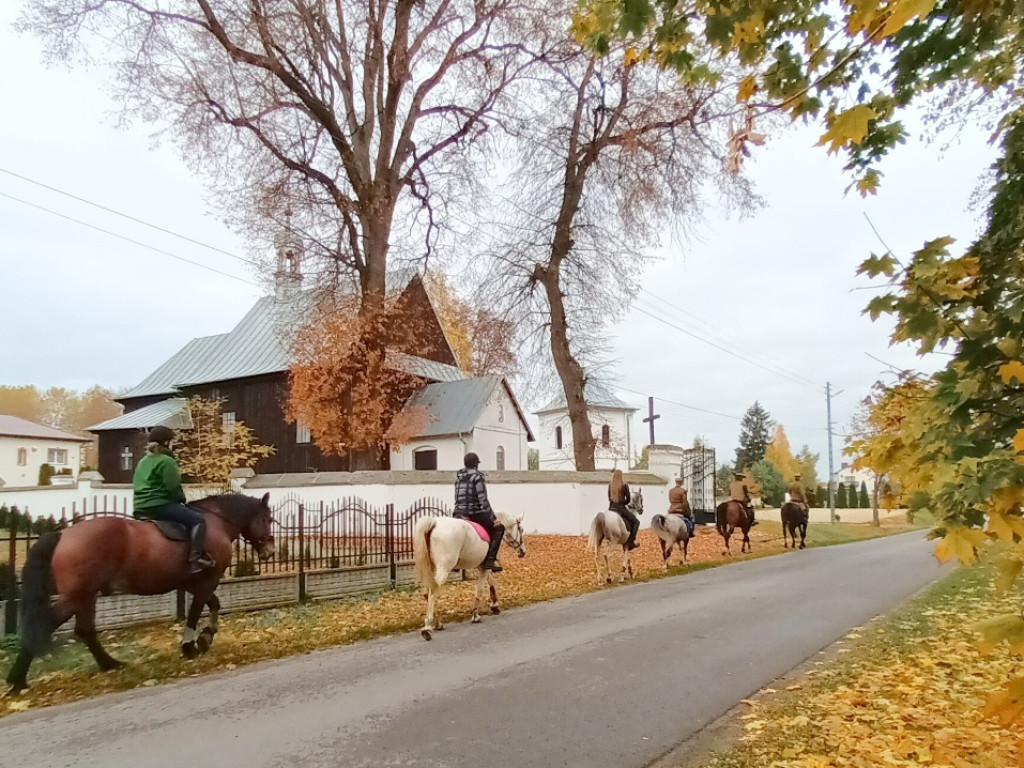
[
  {"x": 847, "y": 475},
  {"x": 25, "y": 446},
  {"x": 610, "y": 418},
  {"x": 479, "y": 415},
  {"x": 248, "y": 369}
]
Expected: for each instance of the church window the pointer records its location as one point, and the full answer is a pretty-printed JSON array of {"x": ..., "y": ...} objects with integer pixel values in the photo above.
[
  {"x": 558, "y": 437},
  {"x": 606, "y": 436}
]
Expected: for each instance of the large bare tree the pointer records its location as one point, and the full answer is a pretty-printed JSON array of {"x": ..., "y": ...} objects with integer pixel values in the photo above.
[
  {"x": 614, "y": 153},
  {"x": 346, "y": 120}
]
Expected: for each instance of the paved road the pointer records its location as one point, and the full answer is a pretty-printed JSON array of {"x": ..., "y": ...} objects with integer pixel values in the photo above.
[{"x": 610, "y": 679}]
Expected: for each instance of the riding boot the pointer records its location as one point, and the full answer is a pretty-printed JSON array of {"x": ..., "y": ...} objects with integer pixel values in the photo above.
[
  {"x": 198, "y": 560},
  {"x": 750, "y": 511},
  {"x": 490, "y": 562},
  {"x": 631, "y": 541}
]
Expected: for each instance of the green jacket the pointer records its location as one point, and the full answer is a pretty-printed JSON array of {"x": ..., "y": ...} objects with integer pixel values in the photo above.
[{"x": 157, "y": 481}]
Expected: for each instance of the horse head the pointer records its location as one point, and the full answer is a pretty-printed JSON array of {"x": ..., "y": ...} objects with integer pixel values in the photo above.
[
  {"x": 636, "y": 502},
  {"x": 514, "y": 534},
  {"x": 250, "y": 515}
]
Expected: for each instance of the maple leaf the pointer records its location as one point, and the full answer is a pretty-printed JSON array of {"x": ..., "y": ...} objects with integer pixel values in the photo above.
[
  {"x": 1010, "y": 371},
  {"x": 1007, "y": 568},
  {"x": 1006, "y": 705},
  {"x": 903, "y": 11},
  {"x": 868, "y": 184},
  {"x": 959, "y": 542},
  {"x": 848, "y": 126},
  {"x": 1018, "y": 441},
  {"x": 747, "y": 88},
  {"x": 1007, "y": 628},
  {"x": 878, "y": 265}
]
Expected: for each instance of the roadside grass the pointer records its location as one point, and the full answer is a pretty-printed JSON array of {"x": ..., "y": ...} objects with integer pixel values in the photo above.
[
  {"x": 908, "y": 689},
  {"x": 555, "y": 567}
]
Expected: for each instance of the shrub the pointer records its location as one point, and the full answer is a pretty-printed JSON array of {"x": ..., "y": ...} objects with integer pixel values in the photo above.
[
  {"x": 865, "y": 500},
  {"x": 45, "y": 473},
  {"x": 4, "y": 513},
  {"x": 841, "y": 496},
  {"x": 245, "y": 568},
  {"x": 8, "y": 581}
]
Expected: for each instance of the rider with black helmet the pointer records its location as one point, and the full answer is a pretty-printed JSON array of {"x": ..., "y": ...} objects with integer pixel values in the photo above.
[
  {"x": 159, "y": 495},
  {"x": 471, "y": 504}
]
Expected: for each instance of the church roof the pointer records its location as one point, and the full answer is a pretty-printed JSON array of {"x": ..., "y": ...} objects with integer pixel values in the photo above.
[
  {"x": 455, "y": 407},
  {"x": 596, "y": 394},
  {"x": 256, "y": 347},
  {"x": 172, "y": 413}
]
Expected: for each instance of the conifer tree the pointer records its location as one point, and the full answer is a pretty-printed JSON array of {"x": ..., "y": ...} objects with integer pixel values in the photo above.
[{"x": 755, "y": 434}]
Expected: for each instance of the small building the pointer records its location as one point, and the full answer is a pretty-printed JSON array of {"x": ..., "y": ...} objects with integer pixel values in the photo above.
[
  {"x": 611, "y": 420},
  {"x": 847, "y": 475},
  {"x": 25, "y": 446},
  {"x": 450, "y": 419}
]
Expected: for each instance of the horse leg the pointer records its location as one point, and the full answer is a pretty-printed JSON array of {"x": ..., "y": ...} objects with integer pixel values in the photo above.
[
  {"x": 17, "y": 677},
  {"x": 746, "y": 541},
  {"x": 190, "y": 634},
  {"x": 685, "y": 549},
  {"x": 85, "y": 629},
  {"x": 803, "y": 536},
  {"x": 666, "y": 552},
  {"x": 205, "y": 639},
  {"x": 495, "y": 608},
  {"x": 428, "y": 621},
  {"x": 478, "y": 594}
]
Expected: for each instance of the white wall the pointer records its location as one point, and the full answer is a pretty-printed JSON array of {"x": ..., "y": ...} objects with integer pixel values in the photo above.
[
  {"x": 36, "y": 449},
  {"x": 616, "y": 456},
  {"x": 43, "y": 501}
]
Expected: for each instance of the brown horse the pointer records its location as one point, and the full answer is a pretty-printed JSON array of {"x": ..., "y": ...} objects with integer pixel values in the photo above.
[
  {"x": 794, "y": 518},
  {"x": 66, "y": 570},
  {"x": 730, "y": 515}
]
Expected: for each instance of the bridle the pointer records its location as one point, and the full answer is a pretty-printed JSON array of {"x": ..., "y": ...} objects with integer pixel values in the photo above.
[
  {"x": 512, "y": 541},
  {"x": 233, "y": 523}
]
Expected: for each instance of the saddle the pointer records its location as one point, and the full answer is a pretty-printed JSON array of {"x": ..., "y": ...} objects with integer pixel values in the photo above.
[
  {"x": 172, "y": 531},
  {"x": 480, "y": 531}
]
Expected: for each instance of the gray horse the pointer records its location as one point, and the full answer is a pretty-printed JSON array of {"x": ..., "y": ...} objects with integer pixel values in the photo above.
[
  {"x": 671, "y": 530},
  {"x": 609, "y": 526}
]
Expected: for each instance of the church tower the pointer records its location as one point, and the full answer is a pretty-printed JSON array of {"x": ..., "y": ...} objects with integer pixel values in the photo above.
[{"x": 288, "y": 274}]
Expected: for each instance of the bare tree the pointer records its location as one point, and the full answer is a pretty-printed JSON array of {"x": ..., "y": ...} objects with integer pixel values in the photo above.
[
  {"x": 612, "y": 154},
  {"x": 348, "y": 122}
]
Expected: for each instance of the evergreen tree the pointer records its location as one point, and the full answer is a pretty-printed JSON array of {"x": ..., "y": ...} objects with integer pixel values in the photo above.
[
  {"x": 45, "y": 473},
  {"x": 841, "y": 496},
  {"x": 773, "y": 485},
  {"x": 865, "y": 500},
  {"x": 852, "y": 497},
  {"x": 755, "y": 434}
]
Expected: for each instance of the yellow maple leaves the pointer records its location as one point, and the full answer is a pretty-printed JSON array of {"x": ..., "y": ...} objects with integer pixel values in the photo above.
[
  {"x": 1010, "y": 371},
  {"x": 1007, "y": 705},
  {"x": 848, "y": 126},
  {"x": 878, "y": 20},
  {"x": 960, "y": 542}
]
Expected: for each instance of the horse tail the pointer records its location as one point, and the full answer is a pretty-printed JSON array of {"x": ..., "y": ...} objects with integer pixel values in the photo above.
[
  {"x": 658, "y": 524},
  {"x": 424, "y": 563},
  {"x": 35, "y": 621},
  {"x": 596, "y": 533},
  {"x": 720, "y": 523}
]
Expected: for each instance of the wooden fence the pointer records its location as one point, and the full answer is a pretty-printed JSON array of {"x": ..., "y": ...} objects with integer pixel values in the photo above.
[{"x": 324, "y": 550}]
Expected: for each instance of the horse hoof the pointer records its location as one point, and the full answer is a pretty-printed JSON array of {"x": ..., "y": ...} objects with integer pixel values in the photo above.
[
  {"x": 426, "y": 633},
  {"x": 608, "y": 580},
  {"x": 495, "y": 609},
  {"x": 189, "y": 650},
  {"x": 439, "y": 627},
  {"x": 475, "y": 619},
  {"x": 204, "y": 641},
  {"x": 111, "y": 664},
  {"x": 16, "y": 690}
]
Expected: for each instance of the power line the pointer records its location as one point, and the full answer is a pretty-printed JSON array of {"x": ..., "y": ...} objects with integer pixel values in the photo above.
[
  {"x": 131, "y": 218},
  {"x": 128, "y": 239}
]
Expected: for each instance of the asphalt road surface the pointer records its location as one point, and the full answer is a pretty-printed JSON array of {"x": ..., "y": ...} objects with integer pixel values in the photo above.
[{"x": 612, "y": 679}]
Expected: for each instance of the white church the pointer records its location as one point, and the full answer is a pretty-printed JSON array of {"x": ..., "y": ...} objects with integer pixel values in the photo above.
[{"x": 610, "y": 418}]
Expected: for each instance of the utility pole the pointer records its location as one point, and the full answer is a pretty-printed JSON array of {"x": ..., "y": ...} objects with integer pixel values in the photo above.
[{"x": 828, "y": 415}]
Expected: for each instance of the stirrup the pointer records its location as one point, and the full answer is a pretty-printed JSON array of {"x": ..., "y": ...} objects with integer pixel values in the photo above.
[
  {"x": 202, "y": 563},
  {"x": 492, "y": 566}
]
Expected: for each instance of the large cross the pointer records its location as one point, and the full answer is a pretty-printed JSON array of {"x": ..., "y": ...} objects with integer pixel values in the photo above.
[{"x": 651, "y": 416}]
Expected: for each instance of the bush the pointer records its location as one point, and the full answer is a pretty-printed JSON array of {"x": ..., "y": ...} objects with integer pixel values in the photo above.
[
  {"x": 8, "y": 581},
  {"x": 45, "y": 473},
  {"x": 246, "y": 568},
  {"x": 4, "y": 514},
  {"x": 865, "y": 500},
  {"x": 841, "y": 496}
]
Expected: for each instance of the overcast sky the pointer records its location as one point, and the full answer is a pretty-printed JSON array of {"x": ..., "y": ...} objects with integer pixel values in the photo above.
[{"x": 776, "y": 289}]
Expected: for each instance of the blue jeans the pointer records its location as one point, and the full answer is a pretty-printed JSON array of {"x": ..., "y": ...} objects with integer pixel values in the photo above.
[{"x": 175, "y": 513}]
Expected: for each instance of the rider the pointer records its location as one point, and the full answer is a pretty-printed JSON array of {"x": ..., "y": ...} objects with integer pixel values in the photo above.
[
  {"x": 159, "y": 496},
  {"x": 679, "y": 504},
  {"x": 618, "y": 498},
  {"x": 738, "y": 492},
  {"x": 797, "y": 494},
  {"x": 471, "y": 504}
]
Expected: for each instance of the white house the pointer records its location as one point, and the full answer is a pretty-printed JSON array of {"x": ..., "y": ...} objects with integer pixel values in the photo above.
[
  {"x": 610, "y": 419},
  {"x": 847, "y": 475},
  {"x": 452, "y": 418},
  {"x": 25, "y": 446}
]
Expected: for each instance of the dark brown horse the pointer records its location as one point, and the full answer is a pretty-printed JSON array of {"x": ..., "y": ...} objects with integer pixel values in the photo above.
[
  {"x": 794, "y": 518},
  {"x": 730, "y": 515},
  {"x": 67, "y": 570}
]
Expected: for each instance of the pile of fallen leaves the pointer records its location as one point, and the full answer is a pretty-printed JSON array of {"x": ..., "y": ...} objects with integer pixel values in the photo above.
[
  {"x": 555, "y": 566},
  {"x": 919, "y": 688}
]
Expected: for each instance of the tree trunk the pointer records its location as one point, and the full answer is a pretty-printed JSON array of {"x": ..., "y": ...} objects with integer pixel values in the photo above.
[
  {"x": 570, "y": 372},
  {"x": 874, "y": 501}
]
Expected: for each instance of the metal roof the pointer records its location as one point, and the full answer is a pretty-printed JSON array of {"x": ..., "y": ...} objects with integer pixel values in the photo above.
[
  {"x": 13, "y": 426},
  {"x": 171, "y": 413},
  {"x": 258, "y": 346},
  {"x": 596, "y": 394},
  {"x": 454, "y": 407}
]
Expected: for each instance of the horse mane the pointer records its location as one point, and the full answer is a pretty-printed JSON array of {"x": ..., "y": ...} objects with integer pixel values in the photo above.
[{"x": 237, "y": 507}]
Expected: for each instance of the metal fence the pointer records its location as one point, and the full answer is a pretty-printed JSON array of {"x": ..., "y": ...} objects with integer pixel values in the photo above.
[{"x": 341, "y": 535}]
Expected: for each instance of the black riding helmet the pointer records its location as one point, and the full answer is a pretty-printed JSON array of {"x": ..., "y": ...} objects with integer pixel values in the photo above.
[
  {"x": 472, "y": 461},
  {"x": 161, "y": 434}
]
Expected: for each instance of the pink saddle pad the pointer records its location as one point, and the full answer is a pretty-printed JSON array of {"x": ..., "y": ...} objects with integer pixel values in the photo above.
[{"x": 480, "y": 531}]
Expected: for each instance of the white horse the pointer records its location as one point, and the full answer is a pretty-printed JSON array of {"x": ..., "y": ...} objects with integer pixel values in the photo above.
[
  {"x": 444, "y": 544},
  {"x": 609, "y": 526},
  {"x": 671, "y": 530}
]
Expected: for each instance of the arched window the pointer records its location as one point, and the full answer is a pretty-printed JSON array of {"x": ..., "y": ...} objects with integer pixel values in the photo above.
[
  {"x": 499, "y": 460},
  {"x": 606, "y": 436},
  {"x": 22, "y": 457},
  {"x": 558, "y": 437},
  {"x": 424, "y": 458}
]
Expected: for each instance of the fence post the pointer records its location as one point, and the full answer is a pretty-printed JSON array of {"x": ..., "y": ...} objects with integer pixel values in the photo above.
[
  {"x": 11, "y": 605},
  {"x": 302, "y": 552},
  {"x": 389, "y": 542}
]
